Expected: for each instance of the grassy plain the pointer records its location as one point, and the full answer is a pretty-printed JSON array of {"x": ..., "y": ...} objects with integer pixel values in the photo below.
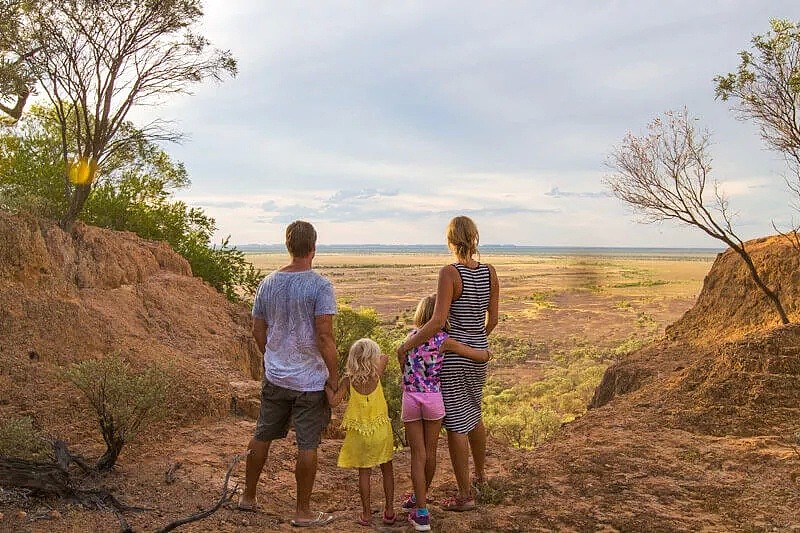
[
  {"x": 550, "y": 300},
  {"x": 563, "y": 320}
]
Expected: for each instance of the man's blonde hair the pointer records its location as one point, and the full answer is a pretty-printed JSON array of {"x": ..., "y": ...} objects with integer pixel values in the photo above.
[
  {"x": 362, "y": 361},
  {"x": 301, "y": 238},
  {"x": 462, "y": 238}
]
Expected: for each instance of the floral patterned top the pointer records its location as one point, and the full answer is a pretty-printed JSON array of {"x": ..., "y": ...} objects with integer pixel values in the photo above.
[{"x": 423, "y": 364}]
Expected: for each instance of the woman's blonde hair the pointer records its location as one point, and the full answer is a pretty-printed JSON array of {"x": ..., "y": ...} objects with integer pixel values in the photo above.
[
  {"x": 424, "y": 311},
  {"x": 362, "y": 361},
  {"x": 462, "y": 237}
]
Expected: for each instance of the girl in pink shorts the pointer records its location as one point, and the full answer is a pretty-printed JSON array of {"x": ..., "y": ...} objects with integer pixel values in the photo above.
[{"x": 423, "y": 408}]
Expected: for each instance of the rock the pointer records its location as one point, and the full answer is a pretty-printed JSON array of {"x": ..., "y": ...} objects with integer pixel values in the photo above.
[{"x": 54, "y": 514}]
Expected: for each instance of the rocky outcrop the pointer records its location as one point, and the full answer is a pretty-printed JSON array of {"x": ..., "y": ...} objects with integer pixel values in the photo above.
[{"x": 66, "y": 297}]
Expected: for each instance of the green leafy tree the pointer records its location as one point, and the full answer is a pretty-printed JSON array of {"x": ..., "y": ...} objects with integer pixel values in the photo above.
[
  {"x": 95, "y": 61},
  {"x": 135, "y": 193},
  {"x": 766, "y": 89},
  {"x": 16, "y": 48}
]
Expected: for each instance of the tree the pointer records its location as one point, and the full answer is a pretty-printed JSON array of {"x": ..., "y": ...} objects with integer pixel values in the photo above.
[
  {"x": 766, "y": 89},
  {"x": 99, "y": 59},
  {"x": 134, "y": 193},
  {"x": 16, "y": 48},
  {"x": 666, "y": 174}
]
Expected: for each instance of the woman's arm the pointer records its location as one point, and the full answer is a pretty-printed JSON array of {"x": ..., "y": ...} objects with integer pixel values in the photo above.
[
  {"x": 452, "y": 345},
  {"x": 492, "y": 314},
  {"x": 444, "y": 297},
  {"x": 336, "y": 397}
]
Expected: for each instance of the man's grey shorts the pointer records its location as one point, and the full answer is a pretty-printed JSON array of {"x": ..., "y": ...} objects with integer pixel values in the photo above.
[{"x": 309, "y": 411}]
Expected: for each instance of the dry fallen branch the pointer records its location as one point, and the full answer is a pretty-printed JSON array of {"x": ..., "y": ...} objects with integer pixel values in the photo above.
[
  {"x": 54, "y": 479},
  {"x": 225, "y": 497}
]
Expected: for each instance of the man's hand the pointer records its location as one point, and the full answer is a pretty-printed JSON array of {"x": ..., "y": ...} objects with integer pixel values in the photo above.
[{"x": 327, "y": 345}]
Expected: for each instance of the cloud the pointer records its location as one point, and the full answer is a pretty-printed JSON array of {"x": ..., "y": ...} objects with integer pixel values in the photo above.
[
  {"x": 222, "y": 204},
  {"x": 555, "y": 192},
  {"x": 388, "y": 115}
]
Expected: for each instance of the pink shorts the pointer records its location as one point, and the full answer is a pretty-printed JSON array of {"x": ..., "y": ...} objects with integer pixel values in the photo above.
[{"x": 422, "y": 406}]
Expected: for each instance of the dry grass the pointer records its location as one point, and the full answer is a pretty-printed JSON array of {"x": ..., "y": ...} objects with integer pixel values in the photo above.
[{"x": 556, "y": 303}]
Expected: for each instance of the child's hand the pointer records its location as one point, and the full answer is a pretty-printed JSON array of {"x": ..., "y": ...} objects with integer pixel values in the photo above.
[
  {"x": 330, "y": 394},
  {"x": 488, "y": 356}
]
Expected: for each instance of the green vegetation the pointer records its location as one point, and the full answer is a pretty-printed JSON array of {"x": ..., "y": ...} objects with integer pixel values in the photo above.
[
  {"x": 351, "y": 324},
  {"x": 640, "y": 283},
  {"x": 542, "y": 299},
  {"x": 526, "y": 414},
  {"x": 19, "y": 438},
  {"x": 135, "y": 194},
  {"x": 124, "y": 401},
  {"x": 508, "y": 351}
]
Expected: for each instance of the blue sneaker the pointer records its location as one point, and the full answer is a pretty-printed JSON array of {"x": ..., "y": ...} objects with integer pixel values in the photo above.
[{"x": 420, "y": 519}]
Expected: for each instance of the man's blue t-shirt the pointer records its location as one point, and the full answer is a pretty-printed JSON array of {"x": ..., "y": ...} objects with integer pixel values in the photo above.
[{"x": 289, "y": 302}]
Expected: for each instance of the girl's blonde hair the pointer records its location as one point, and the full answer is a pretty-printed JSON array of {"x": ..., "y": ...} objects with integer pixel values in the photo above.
[
  {"x": 462, "y": 238},
  {"x": 424, "y": 312},
  {"x": 362, "y": 361}
]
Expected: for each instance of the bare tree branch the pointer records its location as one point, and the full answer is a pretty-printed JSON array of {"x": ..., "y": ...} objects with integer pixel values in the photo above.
[
  {"x": 663, "y": 175},
  {"x": 225, "y": 496}
]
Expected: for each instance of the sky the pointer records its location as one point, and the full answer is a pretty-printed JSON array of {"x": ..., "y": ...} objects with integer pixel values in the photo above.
[{"x": 379, "y": 121}]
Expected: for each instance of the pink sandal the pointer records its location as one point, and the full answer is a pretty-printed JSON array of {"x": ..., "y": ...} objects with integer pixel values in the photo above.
[
  {"x": 454, "y": 503},
  {"x": 389, "y": 520}
]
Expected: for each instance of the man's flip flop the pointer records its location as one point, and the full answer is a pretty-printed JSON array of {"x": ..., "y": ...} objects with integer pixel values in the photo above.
[
  {"x": 247, "y": 507},
  {"x": 321, "y": 520}
]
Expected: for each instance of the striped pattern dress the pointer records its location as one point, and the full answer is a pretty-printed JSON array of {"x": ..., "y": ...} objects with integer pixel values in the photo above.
[{"x": 462, "y": 379}]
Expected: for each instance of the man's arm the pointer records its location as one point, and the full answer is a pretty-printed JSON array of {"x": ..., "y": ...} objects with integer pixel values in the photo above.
[
  {"x": 327, "y": 345},
  {"x": 260, "y": 333}
]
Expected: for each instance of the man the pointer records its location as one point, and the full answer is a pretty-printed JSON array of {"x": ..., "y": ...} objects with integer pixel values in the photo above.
[{"x": 293, "y": 327}]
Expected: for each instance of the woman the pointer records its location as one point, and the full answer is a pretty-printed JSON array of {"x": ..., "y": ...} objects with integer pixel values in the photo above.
[{"x": 467, "y": 296}]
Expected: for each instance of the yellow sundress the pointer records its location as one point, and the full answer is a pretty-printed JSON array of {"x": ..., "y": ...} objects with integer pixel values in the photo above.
[{"x": 368, "y": 441}]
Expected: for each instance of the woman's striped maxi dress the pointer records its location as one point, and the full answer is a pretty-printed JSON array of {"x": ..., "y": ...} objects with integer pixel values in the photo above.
[{"x": 462, "y": 379}]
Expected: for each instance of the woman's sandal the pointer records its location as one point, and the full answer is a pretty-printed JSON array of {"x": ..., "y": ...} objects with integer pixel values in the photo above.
[
  {"x": 389, "y": 520},
  {"x": 454, "y": 503},
  {"x": 362, "y": 522}
]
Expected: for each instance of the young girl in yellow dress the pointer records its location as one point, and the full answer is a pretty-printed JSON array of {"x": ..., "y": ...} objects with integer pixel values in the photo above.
[{"x": 368, "y": 441}]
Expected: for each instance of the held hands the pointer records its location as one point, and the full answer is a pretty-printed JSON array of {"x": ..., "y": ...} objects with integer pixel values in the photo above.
[
  {"x": 330, "y": 393},
  {"x": 488, "y": 356}
]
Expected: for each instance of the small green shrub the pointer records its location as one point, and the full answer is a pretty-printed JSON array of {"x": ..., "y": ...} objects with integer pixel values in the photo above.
[
  {"x": 19, "y": 438},
  {"x": 125, "y": 401}
]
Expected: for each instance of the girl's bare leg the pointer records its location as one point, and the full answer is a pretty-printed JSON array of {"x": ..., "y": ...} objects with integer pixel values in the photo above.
[
  {"x": 363, "y": 491},
  {"x": 387, "y": 470},
  {"x": 415, "y": 436},
  {"x": 432, "y": 429}
]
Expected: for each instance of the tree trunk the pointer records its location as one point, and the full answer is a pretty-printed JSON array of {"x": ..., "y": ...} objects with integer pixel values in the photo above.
[
  {"x": 77, "y": 201},
  {"x": 109, "y": 458},
  {"x": 771, "y": 295}
]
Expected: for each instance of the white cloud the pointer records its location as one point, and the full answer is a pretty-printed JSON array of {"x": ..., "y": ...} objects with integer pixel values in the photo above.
[{"x": 380, "y": 120}]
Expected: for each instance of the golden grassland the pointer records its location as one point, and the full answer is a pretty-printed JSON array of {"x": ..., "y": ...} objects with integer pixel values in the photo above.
[
  {"x": 563, "y": 320},
  {"x": 541, "y": 297}
]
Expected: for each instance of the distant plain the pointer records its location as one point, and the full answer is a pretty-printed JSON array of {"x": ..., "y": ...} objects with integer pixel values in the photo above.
[{"x": 548, "y": 302}]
